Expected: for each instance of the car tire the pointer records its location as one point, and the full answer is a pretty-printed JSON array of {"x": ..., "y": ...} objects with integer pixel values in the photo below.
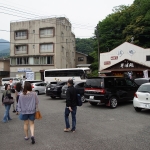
[
  {"x": 137, "y": 109},
  {"x": 53, "y": 96},
  {"x": 93, "y": 104},
  {"x": 37, "y": 92},
  {"x": 113, "y": 102},
  {"x": 83, "y": 99}
]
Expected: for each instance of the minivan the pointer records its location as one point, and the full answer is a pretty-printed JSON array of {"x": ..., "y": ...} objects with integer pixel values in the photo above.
[{"x": 109, "y": 90}]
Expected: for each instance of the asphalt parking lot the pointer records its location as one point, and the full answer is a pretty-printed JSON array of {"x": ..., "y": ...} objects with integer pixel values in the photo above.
[{"x": 98, "y": 128}]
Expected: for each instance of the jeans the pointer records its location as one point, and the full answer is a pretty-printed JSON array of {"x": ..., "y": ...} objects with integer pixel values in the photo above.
[
  {"x": 73, "y": 113},
  {"x": 6, "y": 115}
]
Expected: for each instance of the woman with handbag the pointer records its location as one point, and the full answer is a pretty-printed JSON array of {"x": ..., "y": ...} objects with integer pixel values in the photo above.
[
  {"x": 27, "y": 104},
  {"x": 7, "y": 93}
]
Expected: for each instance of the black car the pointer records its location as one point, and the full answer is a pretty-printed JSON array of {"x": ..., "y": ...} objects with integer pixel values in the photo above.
[
  {"x": 54, "y": 89},
  {"x": 79, "y": 85},
  {"x": 109, "y": 90}
]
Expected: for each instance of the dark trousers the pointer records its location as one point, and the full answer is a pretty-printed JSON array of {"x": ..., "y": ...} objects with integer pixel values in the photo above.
[{"x": 73, "y": 114}]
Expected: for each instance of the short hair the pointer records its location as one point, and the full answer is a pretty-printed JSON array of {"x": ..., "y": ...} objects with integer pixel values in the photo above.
[
  {"x": 18, "y": 87},
  {"x": 27, "y": 87},
  {"x": 70, "y": 81},
  {"x": 6, "y": 86}
]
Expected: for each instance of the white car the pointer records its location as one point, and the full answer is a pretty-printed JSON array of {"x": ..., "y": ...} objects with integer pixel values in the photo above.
[{"x": 142, "y": 97}]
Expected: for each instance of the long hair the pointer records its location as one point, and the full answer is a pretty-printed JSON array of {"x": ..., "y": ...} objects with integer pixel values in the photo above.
[
  {"x": 27, "y": 87},
  {"x": 6, "y": 86},
  {"x": 18, "y": 87}
]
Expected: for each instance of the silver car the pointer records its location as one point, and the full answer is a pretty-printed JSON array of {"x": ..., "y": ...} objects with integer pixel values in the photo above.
[{"x": 39, "y": 87}]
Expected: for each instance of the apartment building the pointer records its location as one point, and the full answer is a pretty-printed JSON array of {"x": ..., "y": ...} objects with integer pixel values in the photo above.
[{"x": 37, "y": 45}]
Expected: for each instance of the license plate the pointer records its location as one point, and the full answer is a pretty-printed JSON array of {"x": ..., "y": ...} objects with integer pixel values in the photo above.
[
  {"x": 146, "y": 105},
  {"x": 91, "y": 97},
  {"x": 48, "y": 88}
]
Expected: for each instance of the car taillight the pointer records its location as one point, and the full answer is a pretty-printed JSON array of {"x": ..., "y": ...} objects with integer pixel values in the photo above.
[
  {"x": 135, "y": 95},
  {"x": 32, "y": 86},
  {"x": 102, "y": 91}
]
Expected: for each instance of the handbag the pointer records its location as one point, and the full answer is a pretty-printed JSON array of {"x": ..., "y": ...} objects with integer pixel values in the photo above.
[
  {"x": 38, "y": 115},
  {"x": 7, "y": 100}
]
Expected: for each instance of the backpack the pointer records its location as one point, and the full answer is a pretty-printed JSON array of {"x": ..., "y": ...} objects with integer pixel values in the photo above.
[{"x": 79, "y": 101}]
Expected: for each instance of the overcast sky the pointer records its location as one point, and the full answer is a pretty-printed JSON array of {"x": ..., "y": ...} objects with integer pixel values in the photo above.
[{"x": 83, "y": 14}]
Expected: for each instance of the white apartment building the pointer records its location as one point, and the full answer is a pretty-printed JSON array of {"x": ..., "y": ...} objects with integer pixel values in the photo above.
[
  {"x": 37, "y": 45},
  {"x": 126, "y": 57}
]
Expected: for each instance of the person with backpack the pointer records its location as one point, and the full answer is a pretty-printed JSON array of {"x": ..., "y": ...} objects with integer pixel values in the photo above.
[
  {"x": 7, "y": 93},
  {"x": 71, "y": 106},
  {"x": 18, "y": 91}
]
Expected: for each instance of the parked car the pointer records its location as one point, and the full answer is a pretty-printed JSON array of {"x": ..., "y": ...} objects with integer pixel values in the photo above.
[
  {"x": 109, "y": 90},
  {"x": 79, "y": 85},
  {"x": 6, "y": 80},
  {"x": 142, "y": 97},
  {"x": 54, "y": 88},
  {"x": 39, "y": 87},
  {"x": 31, "y": 81},
  {"x": 140, "y": 81}
]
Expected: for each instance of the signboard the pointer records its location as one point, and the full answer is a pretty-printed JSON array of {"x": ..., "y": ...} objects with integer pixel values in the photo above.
[
  {"x": 30, "y": 75},
  {"x": 107, "y": 62},
  {"x": 114, "y": 57},
  {"x": 145, "y": 72},
  {"x": 127, "y": 65},
  {"x": 24, "y": 69}
]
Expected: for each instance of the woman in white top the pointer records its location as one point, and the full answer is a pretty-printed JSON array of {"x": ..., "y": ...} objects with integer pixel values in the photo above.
[{"x": 17, "y": 93}]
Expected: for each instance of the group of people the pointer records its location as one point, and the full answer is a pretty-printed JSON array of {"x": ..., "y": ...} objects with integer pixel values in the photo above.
[{"x": 27, "y": 104}]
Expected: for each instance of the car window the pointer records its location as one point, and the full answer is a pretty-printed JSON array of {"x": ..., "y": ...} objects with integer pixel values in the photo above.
[
  {"x": 80, "y": 85},
  {"x": 109, "y": 83},
  {"x": 144, "y": 88},
  {"x": 120, "y": 82},
  {"x": 5, "y": 79},
  {"x": 130, "y": 83},
  {"x": 96, "y": 82}
]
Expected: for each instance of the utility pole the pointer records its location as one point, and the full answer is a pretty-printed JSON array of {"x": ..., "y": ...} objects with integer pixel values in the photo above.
[{"x": 98, "y": 41}]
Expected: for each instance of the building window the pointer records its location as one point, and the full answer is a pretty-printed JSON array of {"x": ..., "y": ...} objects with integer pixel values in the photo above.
[
  {"x": 148, "y": 58},
  {"x": 67, "y": 54},
  {"x": 47, "y": 48},
  {"x": 22, "y": 60},
  {"x": 36, "y": 60},
  {"x": 80, "y": 58},
  {"x": 21, "y": 49},
  {"x": 13, "y": 61},
  {"x": 62, "y": 49},
  {"x": 73, "y": 54},
  {"x": 47, "y": 60},
  {"x": 21, "y": 34},
  {"x": 66, "y": 41},
  {"x": 47, "y": 32}
]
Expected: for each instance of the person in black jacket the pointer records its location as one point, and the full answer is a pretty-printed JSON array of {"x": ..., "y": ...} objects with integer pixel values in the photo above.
[
  {"x": 71, "y": 106},
  {"x": 7, "y": 106}
]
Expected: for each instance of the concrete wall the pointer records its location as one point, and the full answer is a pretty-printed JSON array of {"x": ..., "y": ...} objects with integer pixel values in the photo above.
[{"x": 81, "y": 55}]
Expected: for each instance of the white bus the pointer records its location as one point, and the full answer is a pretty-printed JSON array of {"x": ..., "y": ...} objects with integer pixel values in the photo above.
[{"x": 76, "y": 74}]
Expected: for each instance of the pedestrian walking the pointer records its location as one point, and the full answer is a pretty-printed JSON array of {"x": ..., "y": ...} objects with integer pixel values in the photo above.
[
  {"x": 18, "y": 91},
  {"x": 7, "y": 93},
  {"x": 12, "y": 90},
  {"x": 27, "y": 105},
  {"x": 71, "y": 106}
]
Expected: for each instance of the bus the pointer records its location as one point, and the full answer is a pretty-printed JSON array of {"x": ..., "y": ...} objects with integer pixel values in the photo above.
[{"x": 76, "y": 74}]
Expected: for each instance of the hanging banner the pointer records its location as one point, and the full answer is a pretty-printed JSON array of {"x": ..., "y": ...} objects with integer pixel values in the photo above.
[
  {"x": 30, "y": 75},
  {"x": 145, "y": 72}
]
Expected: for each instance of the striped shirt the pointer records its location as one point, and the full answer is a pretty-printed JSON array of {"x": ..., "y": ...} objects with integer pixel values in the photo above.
[{"x": 27, "y": 103}]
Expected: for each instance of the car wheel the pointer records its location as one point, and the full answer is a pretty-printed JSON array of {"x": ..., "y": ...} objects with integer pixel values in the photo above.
[
  {"x": 53, "y": 96},
  {"x": 113, "y": 102},
  {"x": 83, "y": 99},
  {"x": 37, "y": 92},
  {"x": 137, "y": 109},
  {"x": 94, "y": 104}
]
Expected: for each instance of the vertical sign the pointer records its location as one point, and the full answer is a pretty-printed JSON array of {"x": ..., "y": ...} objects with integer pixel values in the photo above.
[
  {"x": 30, "y": 75},
  {"x": 145, "y": 72}
]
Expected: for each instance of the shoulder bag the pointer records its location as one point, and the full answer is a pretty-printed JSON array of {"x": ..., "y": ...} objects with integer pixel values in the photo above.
[{"x": 7, "y": 100}]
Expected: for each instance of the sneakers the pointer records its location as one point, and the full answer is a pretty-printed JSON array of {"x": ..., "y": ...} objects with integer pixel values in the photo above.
[
  {"x": 32, "y": 140},
  {"x": 13, "y": 111},
  {"x": 67, "y": 129},
  {"x": 26, "y": 138}
]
